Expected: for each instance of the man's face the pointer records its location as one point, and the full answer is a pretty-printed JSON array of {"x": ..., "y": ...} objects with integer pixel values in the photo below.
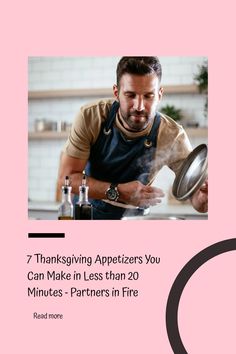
[{"x": 138, "y": 96}]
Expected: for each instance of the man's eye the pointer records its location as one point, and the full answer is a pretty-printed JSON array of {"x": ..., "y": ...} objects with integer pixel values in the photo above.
[
  {"x": 149, "y": 96},
  {"x": 130, "y": 95}
]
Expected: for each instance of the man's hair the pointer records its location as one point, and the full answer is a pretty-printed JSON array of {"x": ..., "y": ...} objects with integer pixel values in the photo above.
[{"x": 138, "y": 66}]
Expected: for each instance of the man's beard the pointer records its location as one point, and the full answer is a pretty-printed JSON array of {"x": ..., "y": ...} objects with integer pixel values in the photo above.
[{"x": 136, "y": 120}]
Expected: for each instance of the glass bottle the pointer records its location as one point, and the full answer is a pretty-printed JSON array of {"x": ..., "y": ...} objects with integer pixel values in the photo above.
[
  {"x": 83, "y": 208},
  {"x": 65, "y": 211}
]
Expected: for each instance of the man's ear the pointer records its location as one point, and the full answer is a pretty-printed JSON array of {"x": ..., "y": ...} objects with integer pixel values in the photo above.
[
  {"x": 116, "y": 92},
  {"x": 160, "y": 93}
]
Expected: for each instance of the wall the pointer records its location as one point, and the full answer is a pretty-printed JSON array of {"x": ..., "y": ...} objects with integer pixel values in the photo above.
[{"x": 52, "y": 73}]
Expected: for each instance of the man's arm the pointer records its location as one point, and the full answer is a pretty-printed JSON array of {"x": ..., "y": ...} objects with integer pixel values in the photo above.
[{"x": 134, "y": 192}]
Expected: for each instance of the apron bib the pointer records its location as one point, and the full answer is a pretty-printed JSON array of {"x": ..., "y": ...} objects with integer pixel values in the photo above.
[{"x": 115, "y": 159}]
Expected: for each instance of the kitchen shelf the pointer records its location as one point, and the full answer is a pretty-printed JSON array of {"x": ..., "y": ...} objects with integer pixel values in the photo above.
[
  {"x": 51, "y": 135},
  {"x": 104, "y": 92},
  {"x": 183, "y": 89},
  {"x": 47, "y": 135},
  {"x": 68, "y": 93},
  {"x": 197, "y": 132}
]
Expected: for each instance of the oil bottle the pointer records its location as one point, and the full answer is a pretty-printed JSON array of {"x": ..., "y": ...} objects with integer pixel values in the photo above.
[
  {"x": 65, "y": 211},
  {"x": 83, "y": 209}
]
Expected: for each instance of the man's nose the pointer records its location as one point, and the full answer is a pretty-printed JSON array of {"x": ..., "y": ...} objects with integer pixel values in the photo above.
[{"x": 139, "y": 104}]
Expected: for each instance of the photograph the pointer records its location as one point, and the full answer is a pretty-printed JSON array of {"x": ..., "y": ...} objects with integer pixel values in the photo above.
[{"x": 118, "y": 138}]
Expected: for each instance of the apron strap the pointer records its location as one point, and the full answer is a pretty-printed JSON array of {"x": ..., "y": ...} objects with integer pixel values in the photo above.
[
  {"x": 151, "y": 138},
  {"x": 111, "y": 118}
]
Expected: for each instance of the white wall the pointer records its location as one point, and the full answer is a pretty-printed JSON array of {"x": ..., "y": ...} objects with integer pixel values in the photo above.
[{"x": 48, "y": 73}]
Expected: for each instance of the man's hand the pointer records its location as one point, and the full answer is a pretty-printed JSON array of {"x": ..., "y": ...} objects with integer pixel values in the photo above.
[
  {"x": 134, "y": 193},
  {"x": 137, "y": 194},
  {"x": 199, "y": 199}
]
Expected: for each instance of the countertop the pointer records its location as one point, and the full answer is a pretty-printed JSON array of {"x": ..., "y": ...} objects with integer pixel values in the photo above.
[
  {"x": 43, "y": 206},
  {"x": 48, "y": 211}
]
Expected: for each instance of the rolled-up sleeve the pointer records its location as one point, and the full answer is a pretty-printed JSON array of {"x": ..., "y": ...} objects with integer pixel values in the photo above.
[
  {"x": 173, "y": 146},
  {"x": 78, "y": 142},
  {"x": 85, "y": 129},
  {"x": 180, "y": 149}
]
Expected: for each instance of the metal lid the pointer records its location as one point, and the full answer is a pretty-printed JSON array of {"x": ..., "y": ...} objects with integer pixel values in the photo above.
[{"x": 192, "y": 174}]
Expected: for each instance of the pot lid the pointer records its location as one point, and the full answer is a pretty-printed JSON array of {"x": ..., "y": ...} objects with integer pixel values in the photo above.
[{"x": 192, "y": 174}]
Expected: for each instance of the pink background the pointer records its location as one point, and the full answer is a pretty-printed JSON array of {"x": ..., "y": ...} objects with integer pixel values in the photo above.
[{"x": 132, "y": 325}]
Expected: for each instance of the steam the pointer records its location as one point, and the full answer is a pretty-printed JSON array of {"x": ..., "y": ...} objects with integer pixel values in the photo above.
[{"x": 168, "y": 153}]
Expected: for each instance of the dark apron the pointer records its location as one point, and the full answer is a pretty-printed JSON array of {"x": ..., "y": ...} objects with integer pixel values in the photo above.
[{"x": 115, "y": 159}]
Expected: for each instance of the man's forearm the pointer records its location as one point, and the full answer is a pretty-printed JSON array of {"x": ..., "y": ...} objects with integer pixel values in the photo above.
[{"x": 134, "y": 192}]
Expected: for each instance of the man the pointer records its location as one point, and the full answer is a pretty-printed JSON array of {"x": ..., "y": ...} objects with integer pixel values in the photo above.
[{"x": 123, "y": 143}]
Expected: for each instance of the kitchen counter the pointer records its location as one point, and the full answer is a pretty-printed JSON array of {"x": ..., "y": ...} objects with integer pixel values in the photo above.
[
  {"x": 168, "y": 216},
  {"x": 49, "y": 210},
  {"x": 175, "y": 212},
  {"x": 43, "y": 210}
]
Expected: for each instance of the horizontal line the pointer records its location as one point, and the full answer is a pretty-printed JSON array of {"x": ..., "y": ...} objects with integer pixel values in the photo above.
[{"x": 46, "y": 235}]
